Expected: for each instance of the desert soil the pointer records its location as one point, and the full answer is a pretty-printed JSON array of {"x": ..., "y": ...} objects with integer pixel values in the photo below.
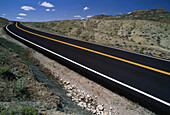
[
  {"x": 19, "y": 87},
  {"x": 110, "y": 101}
]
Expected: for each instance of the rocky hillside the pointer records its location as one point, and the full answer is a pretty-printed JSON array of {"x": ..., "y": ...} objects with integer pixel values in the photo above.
[
  {"x": 3, "y": 22},
  {"x": 138, "y": 35},
  {"x": 149, "y": 14}
]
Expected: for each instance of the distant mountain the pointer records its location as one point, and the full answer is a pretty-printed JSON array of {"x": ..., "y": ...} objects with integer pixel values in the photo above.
[{"x": 149, "y": 14}]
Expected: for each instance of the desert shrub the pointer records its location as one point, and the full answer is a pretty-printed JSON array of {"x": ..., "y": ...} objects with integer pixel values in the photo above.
[
  {"x": 28, "y": 111},
  {"x": 161, "y": 55},
  {"x": 117, "y": 44},
  {"x": 86, "y": 39},
  {"x": 141, "y": 51},
  {"x": 20, "y": 86},
  {"x": 104, "y": 43},
  {"x": 23, "y": 111},
  {"x": 2, "y": 54},
  {"x": 4, "y": 69},
  {"x": 139, "y": 42},
  {"x": 11, "y": 111},
  {"x": 148, "y": 38}
]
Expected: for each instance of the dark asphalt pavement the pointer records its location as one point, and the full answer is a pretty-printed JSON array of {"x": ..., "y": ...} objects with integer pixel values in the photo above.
[{"x": 151, "y": 88}]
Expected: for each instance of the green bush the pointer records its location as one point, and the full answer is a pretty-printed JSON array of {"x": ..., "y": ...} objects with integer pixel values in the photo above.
[
  {"x": 23, "y": 111},
  {"x": 2, "y": 54},
  {"x": 117, "y": 44},
  {"x": 4, "y": 69},
  {"x": 20, "y": 86},
  {"x": 86, "y": 39},
  {"x": 141, "y": 51},
  {"x": 28, "y": 111}
]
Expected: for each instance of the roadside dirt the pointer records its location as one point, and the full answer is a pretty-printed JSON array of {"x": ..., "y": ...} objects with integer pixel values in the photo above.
[
  {"x": 25, "y": 84},
  {"x": 111, "y": 101}
]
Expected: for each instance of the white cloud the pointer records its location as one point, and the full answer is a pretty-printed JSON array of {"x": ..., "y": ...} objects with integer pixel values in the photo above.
[
  {"x": 46, "y": 4},
  {"x": 129, "y": 12},
  {"x": 86, "y": 8},
  {"x": 53, "y": 10},
  {"x": 47, "y": 10},
  {"x": 89, "y": 16},
  {"x": 82, "y": 18},
  {"x": 4, "y": 14},
  {"x": 22, "y": 14},
  {"x": 20, "y": 18},
  {"x": 27, "y": 8},
  {"x": 77, "y": 16}
]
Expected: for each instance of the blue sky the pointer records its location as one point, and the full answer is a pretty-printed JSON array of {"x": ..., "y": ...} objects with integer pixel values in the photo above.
[{"x": 48, "y": 10}]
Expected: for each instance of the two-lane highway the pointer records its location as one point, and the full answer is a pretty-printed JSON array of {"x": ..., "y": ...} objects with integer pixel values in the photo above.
[{"x": 143, "y": 78}]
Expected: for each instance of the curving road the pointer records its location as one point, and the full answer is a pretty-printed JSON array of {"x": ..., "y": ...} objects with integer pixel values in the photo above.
[{"x": 143, "y": 79}]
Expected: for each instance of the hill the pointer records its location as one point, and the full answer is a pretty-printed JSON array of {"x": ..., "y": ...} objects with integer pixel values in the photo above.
[
  {"x": 3, "y": 22},
  {"x": 148, "y": 14},
  {"x": 142, "y": 31}
]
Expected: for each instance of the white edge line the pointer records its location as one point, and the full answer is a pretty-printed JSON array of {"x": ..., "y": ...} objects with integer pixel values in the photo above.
[{"x": 105, "y": 76}]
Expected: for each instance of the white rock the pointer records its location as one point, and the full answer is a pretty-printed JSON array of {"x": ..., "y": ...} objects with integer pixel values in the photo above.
[
  {"x": 90, "y": 99},
  {"x": 88, "y": 96},
  {"x": 80, "y": 104},
  {"x": 68, "y": 94},
  {"x": 84, "y": 105},
  {"x": 76, "y": 100},
  {"x": 94, "y": 111},
  {"x": 64, "y": 82},
  {"x": 79, "y": 99},
  {"x": 73, "y": 86},
  {"x": 88, "y": 109},
  {"x": 89, "y": 105},
  {"x": 67, "y": 83},
  {"x": 82, "y": 97},
  {"x": 100, "y": 107},
  {"x": 86, "y": 99},
  {"x": 74, "y": 94}
]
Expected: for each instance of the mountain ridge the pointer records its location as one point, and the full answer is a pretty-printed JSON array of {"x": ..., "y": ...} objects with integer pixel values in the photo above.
[{"x": 147, "y": 14}]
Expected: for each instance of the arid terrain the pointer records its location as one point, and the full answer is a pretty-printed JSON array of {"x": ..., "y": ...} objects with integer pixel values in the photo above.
[
  {"x": 18, "y": 79},
  {"x": 25, "y": 84},
  {"x": 133, "y": 32}
]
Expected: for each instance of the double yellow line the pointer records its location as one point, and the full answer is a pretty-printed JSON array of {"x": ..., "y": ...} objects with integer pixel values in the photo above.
[{"x": 96, "y": 52}]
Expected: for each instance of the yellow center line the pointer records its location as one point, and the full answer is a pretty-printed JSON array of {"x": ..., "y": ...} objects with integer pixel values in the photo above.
[{"x": 90, "y": 50}]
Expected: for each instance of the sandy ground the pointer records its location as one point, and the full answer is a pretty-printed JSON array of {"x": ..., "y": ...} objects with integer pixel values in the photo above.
[{"x": 120, "y": 104}]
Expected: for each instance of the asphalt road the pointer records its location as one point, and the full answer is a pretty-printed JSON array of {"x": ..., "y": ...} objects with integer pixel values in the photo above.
[{"x": 141, "y": 78}]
